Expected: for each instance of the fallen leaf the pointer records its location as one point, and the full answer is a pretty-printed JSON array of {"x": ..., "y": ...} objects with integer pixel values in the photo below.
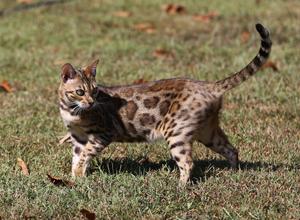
[
  {"x": 206, "y": 18},
  {"x": 122, "y": 14},
  {"x": 139, "y": 81},
  {"x": 161, "y": 53},
  {"x": 5, "y": 86},
  {"x": 174, "y": 9},
  {"x": 271, "y": 64},
  {"x": 65, "y": 139},
  {"x": 245, "y": 36},
  {"x": 24, "y": 1},
  {"x": 89, "y": 215},
  {"x": 150, "y": 30},
  {"x": 145, "y": 27},
  {"x": 142, "y": 26},
  {"x": 23, "y": 166},
  {"x": 60, "y": 182}
]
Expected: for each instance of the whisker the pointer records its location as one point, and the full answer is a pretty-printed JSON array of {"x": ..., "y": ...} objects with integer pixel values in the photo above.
[{"x": 76, "y": 110}]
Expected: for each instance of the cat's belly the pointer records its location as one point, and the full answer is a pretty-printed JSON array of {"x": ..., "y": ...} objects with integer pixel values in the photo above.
[{"x": 139, "y": 136}]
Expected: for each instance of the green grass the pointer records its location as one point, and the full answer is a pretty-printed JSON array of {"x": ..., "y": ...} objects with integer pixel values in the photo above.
[{"x": 261, "y": 117}]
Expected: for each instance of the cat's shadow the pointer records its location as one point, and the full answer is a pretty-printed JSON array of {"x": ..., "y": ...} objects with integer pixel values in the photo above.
[{"x": 202, "y": 170}]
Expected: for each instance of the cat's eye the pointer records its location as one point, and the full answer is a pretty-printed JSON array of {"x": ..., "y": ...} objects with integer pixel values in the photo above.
[{"x": 80, "y": 92}]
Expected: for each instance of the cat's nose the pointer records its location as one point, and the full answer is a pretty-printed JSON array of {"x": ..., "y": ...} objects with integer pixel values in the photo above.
[{"x": 89, "y": 102}]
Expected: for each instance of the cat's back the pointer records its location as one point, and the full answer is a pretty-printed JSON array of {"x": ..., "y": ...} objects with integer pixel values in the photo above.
[{"x": 163, "y": 85}]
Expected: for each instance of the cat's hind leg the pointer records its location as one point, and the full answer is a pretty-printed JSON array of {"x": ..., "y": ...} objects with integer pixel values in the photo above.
[{"x": 219, "y": 143}]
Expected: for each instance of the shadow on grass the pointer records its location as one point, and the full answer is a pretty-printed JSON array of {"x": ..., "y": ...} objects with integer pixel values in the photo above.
[{"x": 201, "y": 171}]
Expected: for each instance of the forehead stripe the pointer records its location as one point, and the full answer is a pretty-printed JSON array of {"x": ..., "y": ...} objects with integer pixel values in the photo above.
[{"x": 86, "y": 81}]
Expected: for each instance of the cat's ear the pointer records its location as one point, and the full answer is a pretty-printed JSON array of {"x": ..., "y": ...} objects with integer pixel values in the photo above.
[
  {"x": 67, "y": 72},
  {"x": 90, "y": 70}
]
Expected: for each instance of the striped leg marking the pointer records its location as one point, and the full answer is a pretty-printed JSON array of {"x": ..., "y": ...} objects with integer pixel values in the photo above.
[
  {"x": 83, "y": 154},
  {"x": 182, "y": 153}
]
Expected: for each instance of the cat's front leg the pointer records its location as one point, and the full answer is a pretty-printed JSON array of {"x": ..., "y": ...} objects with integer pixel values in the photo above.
[{"x": 82, "y": 154}]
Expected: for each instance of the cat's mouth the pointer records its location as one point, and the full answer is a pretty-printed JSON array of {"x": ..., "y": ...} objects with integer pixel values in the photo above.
[
  {"x": 85, "y": 105},
  {"x": 78, "y": 109},
  {"x": 89, "y": 107}
]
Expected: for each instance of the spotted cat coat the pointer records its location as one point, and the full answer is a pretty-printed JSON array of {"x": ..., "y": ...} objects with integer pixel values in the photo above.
[{"x": 178, "y": 110}]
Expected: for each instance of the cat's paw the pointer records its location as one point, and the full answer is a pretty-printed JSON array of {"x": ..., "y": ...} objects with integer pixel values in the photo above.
[
  {"x": 78, "y": 172},
  {"x": 65, "y": 139}
]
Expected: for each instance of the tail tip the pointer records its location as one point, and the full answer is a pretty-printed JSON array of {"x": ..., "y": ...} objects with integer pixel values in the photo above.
[{"x": 264, "y": 33}]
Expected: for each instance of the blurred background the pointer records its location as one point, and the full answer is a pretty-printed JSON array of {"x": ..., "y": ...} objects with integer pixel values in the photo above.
[{"x": 138, "y": 41}]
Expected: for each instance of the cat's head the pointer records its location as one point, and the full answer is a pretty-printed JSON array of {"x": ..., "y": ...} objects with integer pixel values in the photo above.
[{"x": 78, "y": 86}]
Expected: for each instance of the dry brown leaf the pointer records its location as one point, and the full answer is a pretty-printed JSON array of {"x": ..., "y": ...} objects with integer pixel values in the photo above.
[
  {"x": 60, "y": 182},
  {"x": 139, "y": 81},
  {"x": 245, "y": 36},
  {"x": 65, "y": 139},
  {"x": 150, "y": 30},
  {"x": 271, "y": 64},
  {"x": 145, "y": 27},
  {"x": 89, "y": 215},
  {"x": 206, "y": 18},
  {"x": 174, "y": 9},
  {"x": 142, "y": 26},
  {"x": 161, "y": 53},
  {"x": 23, "y": 166},
  {"x": 122, "y": 14},
  {"x": 24, "y": 1},
  {"x": 5, "y": 86}
]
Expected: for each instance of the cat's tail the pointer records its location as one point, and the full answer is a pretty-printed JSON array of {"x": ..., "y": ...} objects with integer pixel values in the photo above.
[{"x": 258, "y": 61}]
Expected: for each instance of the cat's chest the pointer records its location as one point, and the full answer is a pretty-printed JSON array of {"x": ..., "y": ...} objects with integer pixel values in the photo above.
[
  {"x": 72, "y": 121},
  {"x": 68, "y": 118}
]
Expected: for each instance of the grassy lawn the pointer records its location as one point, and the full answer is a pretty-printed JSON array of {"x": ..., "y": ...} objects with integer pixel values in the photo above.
[{"x": 139, "y": 181}]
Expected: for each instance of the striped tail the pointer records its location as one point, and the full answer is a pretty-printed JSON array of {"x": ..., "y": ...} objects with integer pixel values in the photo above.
[{"x": 249, "y": 70}]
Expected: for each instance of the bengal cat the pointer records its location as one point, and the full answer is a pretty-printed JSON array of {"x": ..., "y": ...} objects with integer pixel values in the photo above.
[{"x": 179, "y": 110}]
